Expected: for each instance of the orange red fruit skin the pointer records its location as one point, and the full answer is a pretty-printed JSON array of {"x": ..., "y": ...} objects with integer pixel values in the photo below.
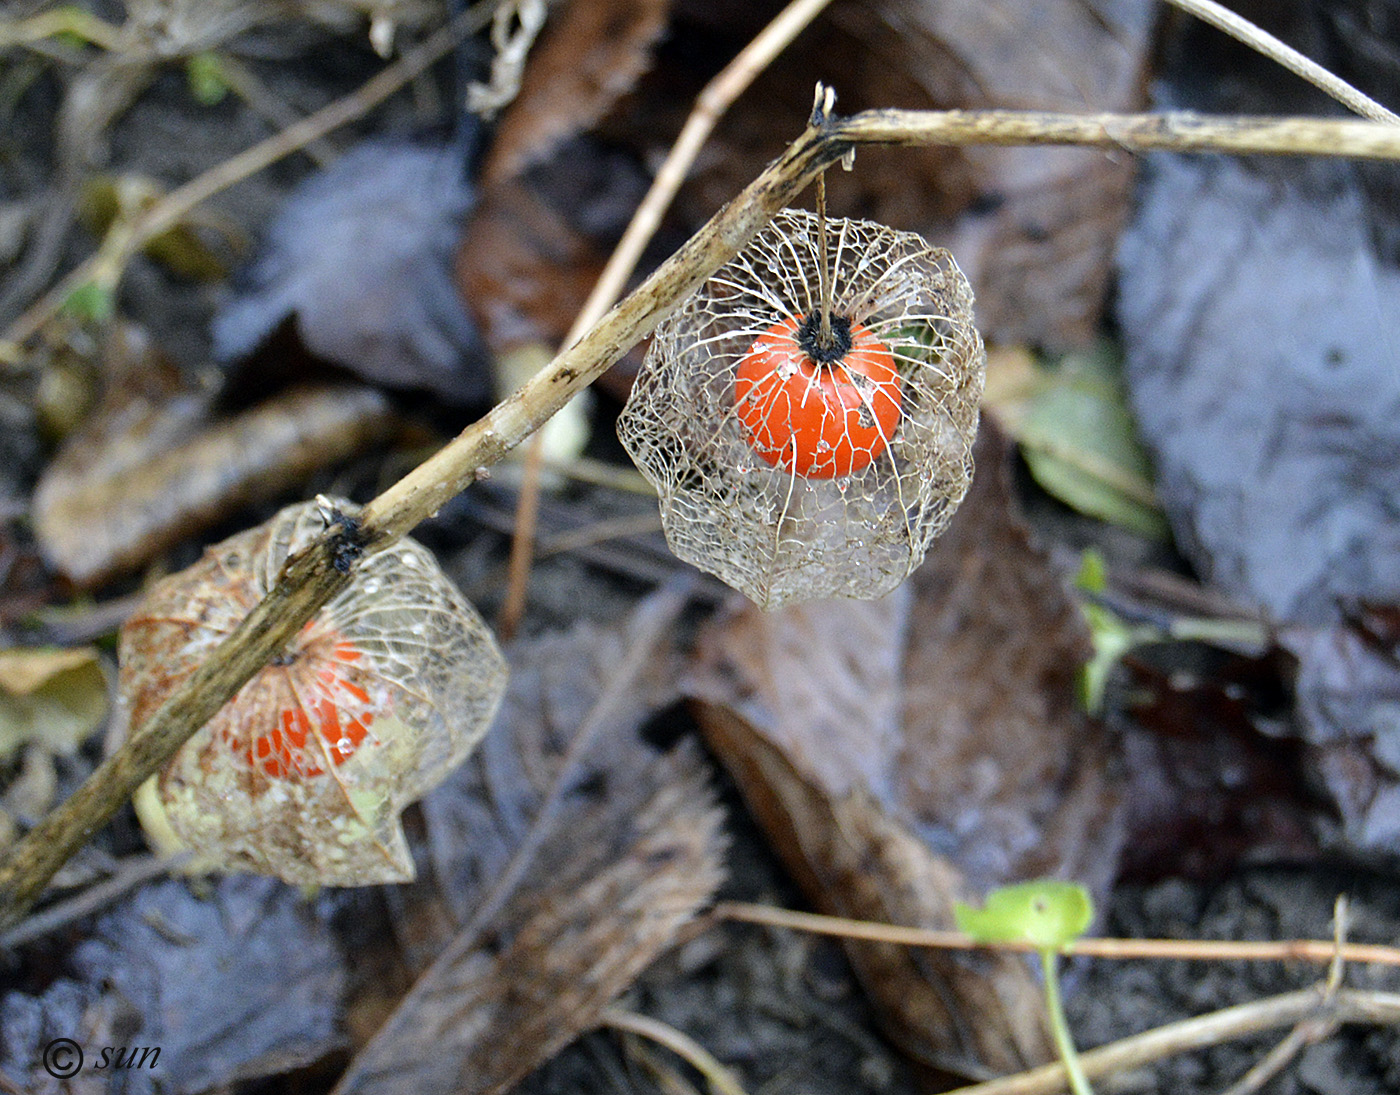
[{"x": 820, "y": 421}]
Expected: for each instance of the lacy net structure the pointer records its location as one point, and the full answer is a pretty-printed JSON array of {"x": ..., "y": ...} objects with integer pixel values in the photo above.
[
  {"x": 795, "y": 469},
  {"x": 304, "y": 774}
]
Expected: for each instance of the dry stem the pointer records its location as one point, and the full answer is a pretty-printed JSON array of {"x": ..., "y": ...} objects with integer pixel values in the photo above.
[
  {"x": 720, "y": 1079},
  {"x": 1344, "y": 1006},
  {"x": 1241, "y": 29},
  {"x": 309, "y": 579},
  {"x": 710, "y": 105},
  {"x": 1320, "y": 951}
]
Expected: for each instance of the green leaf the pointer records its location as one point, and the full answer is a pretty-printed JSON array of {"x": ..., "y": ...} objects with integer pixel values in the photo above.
[
  {"x": 1093, "y": 572},
  {"x": 1112, "y": 638},
  {"x": 1081, "y": 444},
  {"x": 204, "y": 73},
  {"x": 1046, "y": 913},
  {"x": 91, "y": 303}
]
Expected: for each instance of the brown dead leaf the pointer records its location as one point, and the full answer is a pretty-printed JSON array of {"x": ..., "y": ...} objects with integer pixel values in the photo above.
[
  {"x": 632, "y": 852},
  {"x": 591, "y": 54},
  {"x": 525, "y": 268},
  {"x": 921, "y": 750},
  {"x": 153, "y": 467},
  {"x": 553, "y": 201},
  {"x": 998, "y": 766},
  {"x": 970, "y": 1015}
]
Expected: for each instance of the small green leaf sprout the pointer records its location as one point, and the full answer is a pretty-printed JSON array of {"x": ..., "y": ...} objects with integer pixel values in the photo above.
[{"x": 1049, "y": 915}]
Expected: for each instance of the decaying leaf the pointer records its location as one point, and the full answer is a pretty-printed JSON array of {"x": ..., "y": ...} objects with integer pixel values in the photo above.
[
  {"x": 631, "y": 854},
  {"x": 553, "y": 198},
  {"x": 153, "y": 466},
  {"x": 1260, "y": 307},
  {"x": 360, "y": 257},
  {"x": 53, "y": 697},
  {"x": 239, "y": 983},
  {"x": 305, "y": 772},
  {"x": 925, "y": 749},
  {"x": 591, "y": 54},
  {"x": 1260, "y": 332}
]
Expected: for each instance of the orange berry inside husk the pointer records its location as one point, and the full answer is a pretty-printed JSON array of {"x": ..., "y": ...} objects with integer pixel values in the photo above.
[
  {"x": 819, "y": 412},
  {"x": 321, "y": 713}
]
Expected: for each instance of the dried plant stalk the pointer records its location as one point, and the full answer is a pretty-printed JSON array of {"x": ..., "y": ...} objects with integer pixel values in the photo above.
[{"x": 784, "y": 495}]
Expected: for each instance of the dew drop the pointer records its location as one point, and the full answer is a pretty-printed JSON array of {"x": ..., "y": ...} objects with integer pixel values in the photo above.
[
  {"x": 371, "y": 586},
  {"x": 344, "y": 745},
  {"x": 408, "y": 559},
  {"x": 418, "y": 629}
]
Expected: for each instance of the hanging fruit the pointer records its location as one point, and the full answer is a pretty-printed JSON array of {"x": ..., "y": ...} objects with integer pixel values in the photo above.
[
  {"x": 819, "y": 415},
  {"x": 304, "y": 773},
  {"x": 807, "y": 416}
]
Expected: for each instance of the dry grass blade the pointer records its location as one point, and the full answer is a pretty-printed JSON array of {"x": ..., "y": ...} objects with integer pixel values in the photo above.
[
  {"x": 1243, "y": 30},
  {"x": 721, "y": 1080}
]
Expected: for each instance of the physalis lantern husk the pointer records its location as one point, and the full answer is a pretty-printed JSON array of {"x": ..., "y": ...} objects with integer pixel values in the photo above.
[
  {"x": 794, "y": 468},
  {"x": 304, "y": 774}
]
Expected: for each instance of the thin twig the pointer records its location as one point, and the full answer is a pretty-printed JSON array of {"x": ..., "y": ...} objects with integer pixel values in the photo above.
[
  {"x": 1311, "y": 1030},
  {"x": 710, "y": 105},
  {"x": 176, "y": 204},
  {"x": 263, "y": 101},
  {"x": 1320, "y": 951},
  {"x": 312, "y": 577},
  {"x": 1241, "y": 29},
  {"x": 1346, "y": 1006},
  {"x": 685, "y": 1047},
  {"x": 130, "y": 874}
]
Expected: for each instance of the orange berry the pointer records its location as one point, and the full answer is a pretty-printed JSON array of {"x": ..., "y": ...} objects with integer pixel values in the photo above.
[{"x": 821, "y": 413}]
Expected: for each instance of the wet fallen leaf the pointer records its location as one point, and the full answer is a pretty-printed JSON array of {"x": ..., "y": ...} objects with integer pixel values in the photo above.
[
  {"x": 631, "y": 854},
  {"x": 921, "y": 750},
  {"x": 1260, "y": 334},
  {"x": 266, "y": 999},
  {"x": 154, "y": 466},
  {"x": 1260, "y": 307},
  {"x": 304, "y": 773},
  {"x": 1206, "y": 781},
  {"x": 360, "y": 260},
  {"x": 554, "y": 198},
  {"x": 53, "y": 697}
]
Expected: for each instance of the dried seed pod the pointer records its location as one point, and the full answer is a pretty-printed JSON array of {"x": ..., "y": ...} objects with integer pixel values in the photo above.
[
  {"x": 797, "y": 464},
  {"x": 305, "y": 772}
]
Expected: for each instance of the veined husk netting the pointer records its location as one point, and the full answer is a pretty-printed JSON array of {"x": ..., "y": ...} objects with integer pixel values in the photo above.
[
  {"x": 737, "y": 506},
  {"x": 305, "y": 772}
]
